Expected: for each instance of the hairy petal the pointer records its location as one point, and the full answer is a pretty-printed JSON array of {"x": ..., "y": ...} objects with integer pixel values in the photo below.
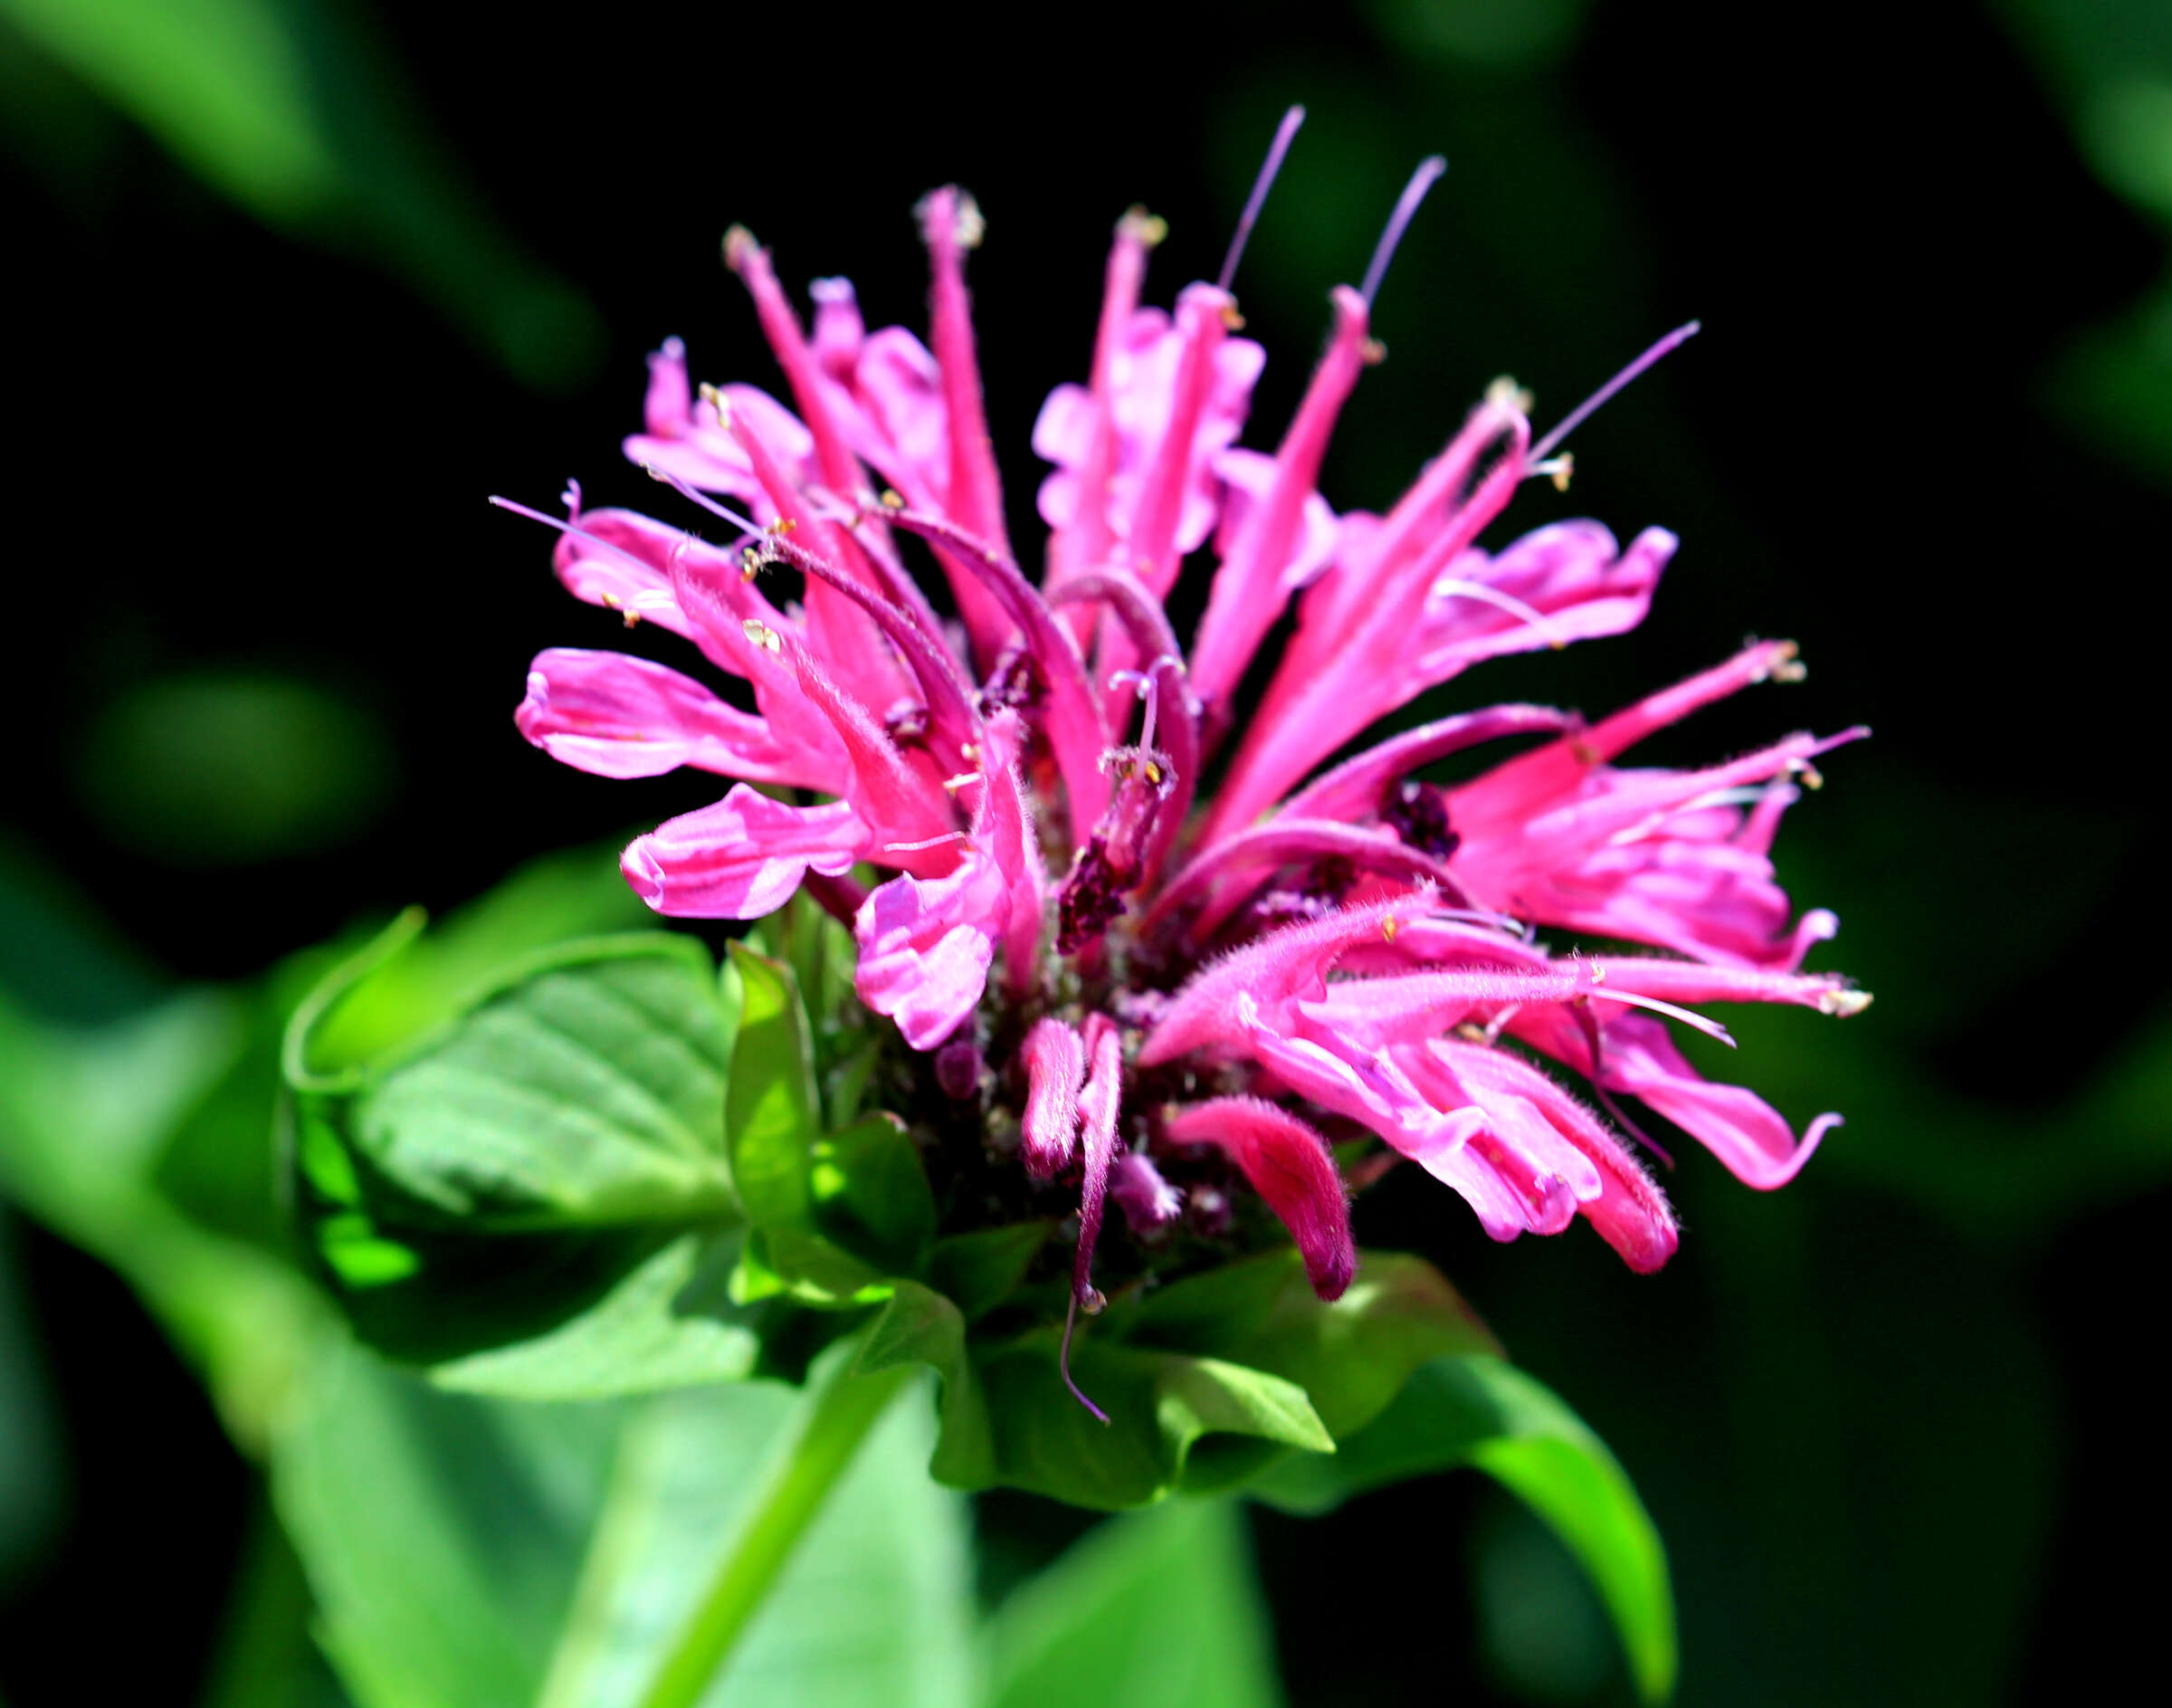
[
  {"x": 1288, "y": 1164},
  {"x": 1055, "y": 1070},
  {"x": 615, "y": 715},
  {"x": 742, "y": 857}
]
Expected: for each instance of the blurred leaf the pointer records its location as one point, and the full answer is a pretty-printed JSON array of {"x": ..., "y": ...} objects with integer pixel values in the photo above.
[
  {"x": 872, "y": 1606},
  {"x": 1154, "y": 1610},
  {"x": 219, "y": 769},
  {"x": 1480, "y": 1411},
  {"x": 479, "y": 1552},
  {"x": 83, "y": 1114},
  {"x": 32, "y": 1471},
  {"x": 441, "y": 1536},
  {"x": 293, "y": 110},
  {"x": 220, "y": 1165},
  {"x": 511, "y": 1171}
]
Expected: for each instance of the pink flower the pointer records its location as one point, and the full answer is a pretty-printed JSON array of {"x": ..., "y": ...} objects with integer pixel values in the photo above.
[{"x": 1203, "y": 991}]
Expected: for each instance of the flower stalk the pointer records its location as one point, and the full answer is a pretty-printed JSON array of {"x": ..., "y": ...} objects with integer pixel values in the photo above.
[{"x": 838, "y": 1411}]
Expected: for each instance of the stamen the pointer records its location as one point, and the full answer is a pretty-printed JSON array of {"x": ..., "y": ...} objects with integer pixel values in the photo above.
[
  {"x": 694, "y": 495},
  {"x": 1285, "y": 133},
  {"x": 1070, "y": 1321},
  {"x": 1592, "y": 1037},
  {"x": 1407, "y": 206},
  {"x": 1583, "y": 411}
]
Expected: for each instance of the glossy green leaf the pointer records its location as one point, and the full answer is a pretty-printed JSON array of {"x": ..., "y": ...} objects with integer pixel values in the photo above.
[
  {"x": 1479, "y": 1411},
  {"x": 773, "y": 1116},
  {"x": 870, "y": 1194},
  {"x": 1152, "y": 1609},
  {"x": 1352, "y": 1357},
  {"x": 980, "y": 1270},
  {"x": 1009, "y": 1420},
  {"x": 514, "y": 1169}
]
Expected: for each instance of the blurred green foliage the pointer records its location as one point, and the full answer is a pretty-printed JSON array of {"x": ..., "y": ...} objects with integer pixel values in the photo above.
[{"x": 291, "y": 109}]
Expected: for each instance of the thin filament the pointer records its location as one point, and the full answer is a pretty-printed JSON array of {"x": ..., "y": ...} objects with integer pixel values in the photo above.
[
  {"x": 1407, "y": 206},
  {"x": 1673, "y": 340},
  {"x": 1284, "y": 134},
  {"x": 1070, "y": 1321}
]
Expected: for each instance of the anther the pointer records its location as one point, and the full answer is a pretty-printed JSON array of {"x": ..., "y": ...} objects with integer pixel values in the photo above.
[
  {"x": 763, "y": 636},
  {"x": 1387, "y": 928},
  {"x": 738, "y": 241},
  {"x": 1506, "y": 394},
  {"x": 716, "y": 401},
  {"x": 1150, "y": 229},
  {"x": 892, "y": 499},
  {"x": 1556, "y": 469},
  {"x": 1371, "y": 352}
]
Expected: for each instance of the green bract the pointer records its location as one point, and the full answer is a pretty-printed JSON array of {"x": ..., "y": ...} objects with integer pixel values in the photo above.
[{"x": 610, "y": 1171}]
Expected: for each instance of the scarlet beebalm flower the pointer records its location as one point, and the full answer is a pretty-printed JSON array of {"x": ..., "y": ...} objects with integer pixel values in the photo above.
[{"x": 1177, "y": 1000}]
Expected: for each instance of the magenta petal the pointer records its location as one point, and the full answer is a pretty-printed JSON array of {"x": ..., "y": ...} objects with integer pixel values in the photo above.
[
  {"x": 925, "y": 946},
  {"x": 1097, "y": 1107},
  {"x": 1735, "y": 1124},
  {"x": 1148, "y": 1201},
  {"x": 1055, "y": 1069},
  {"x": 741, "y": 858},
  {"x": 619, "y": 716},
  {"x": 1289, "y": 1165}
]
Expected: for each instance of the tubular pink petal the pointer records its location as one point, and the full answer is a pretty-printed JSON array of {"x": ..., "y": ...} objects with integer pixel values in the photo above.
[
  {"x": 780, "y": 325},
  {"x": 1055, "y": 1070},
  {"x": 840, "y": 332},
  {"x": 1251, "y": 586},
  {"x": 925, "y": 947},
  {"x": 1081, "y": 536},
  {"x": 950, "y": 223},
  {"x": 1274, "y": 968},
  {"x": 741, "y": 858},
  {"x": 1350, "y": 660},
  {"x": 1076, "y": 733},
  {"x": 1356, "y": 788},
  {"x": 1098, "y": 1104},
  {"x": 1149, "y": 1203},
  {"x": 1288, "y": 1164},
  {"x": 843, "y": 635},
  {"x": 1218, "y": 882},
  {"x": 619, "y": 716}
]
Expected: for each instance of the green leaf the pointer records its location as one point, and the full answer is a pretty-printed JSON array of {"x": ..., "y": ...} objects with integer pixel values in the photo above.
[
  {"x": 870, "y": 1195},
  {"x": 873, "y": 1605},
  {"x": 980, "y": 1270},
  {"x": 513, "y": 1170},
  {"x": 1352, "y": 1357},
  {"x": 773, "y": 1116},
  {"x": 669, "y": 1323},
  {"x": 441, "y": 1536},
  {"x": 1477, "y": 1411},
  {"x": 1154, "y": 1610}
]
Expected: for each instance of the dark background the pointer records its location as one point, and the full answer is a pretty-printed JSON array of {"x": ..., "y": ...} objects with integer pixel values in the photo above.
[{"x": 265, "y": 639}]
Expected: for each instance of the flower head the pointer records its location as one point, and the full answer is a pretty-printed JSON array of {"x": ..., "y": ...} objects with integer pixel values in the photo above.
[{"x": 1183, "y": 1000}]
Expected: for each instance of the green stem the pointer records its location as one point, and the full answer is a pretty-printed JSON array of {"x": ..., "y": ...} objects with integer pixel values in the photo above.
[{"x": 839, "y": 1411}]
